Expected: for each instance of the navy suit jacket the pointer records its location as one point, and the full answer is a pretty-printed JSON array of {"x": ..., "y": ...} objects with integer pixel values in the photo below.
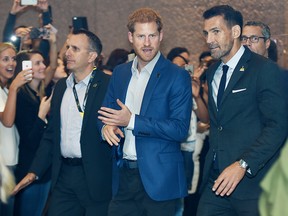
[
  {"x": 160, "y": 127},
  {"x": 252, "y": 122},
  {"x": 96, "y": 155}
]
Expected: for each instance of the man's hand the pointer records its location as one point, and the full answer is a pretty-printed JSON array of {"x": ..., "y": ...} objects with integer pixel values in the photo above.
[
  {"x": 27, "y": 180},
  {"x": 228, "y": 180},
  {"x": 16, "y": 7},
  {"x": 110, "y": 134},
  {"x": 115, "y": 117}
]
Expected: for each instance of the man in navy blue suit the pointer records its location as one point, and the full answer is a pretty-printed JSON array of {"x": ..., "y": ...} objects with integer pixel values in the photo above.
[
  {"x": 147, "y": 111},
  {"x": 248, "y": 118}
]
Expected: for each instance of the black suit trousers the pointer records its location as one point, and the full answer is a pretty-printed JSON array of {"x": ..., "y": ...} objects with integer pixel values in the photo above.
[
  {"x": 70, "y": 195},
  {"x": 132, "y": 199},
  {"x": 212, "y": 205}
]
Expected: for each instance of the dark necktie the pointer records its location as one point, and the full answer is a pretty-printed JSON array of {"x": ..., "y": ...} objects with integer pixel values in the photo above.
[{"x": 222, "y": 85}]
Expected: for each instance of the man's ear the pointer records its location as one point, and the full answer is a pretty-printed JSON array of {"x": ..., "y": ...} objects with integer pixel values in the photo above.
[
  {"x": 161, "y": 35},
  {"x": 92, "y": 56},
  {"x": 130, "y": 37},
  {"x": 236, "y": 31}
]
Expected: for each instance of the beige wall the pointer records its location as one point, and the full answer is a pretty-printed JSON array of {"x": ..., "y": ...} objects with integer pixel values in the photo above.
[{"x": 182, "y": 20}]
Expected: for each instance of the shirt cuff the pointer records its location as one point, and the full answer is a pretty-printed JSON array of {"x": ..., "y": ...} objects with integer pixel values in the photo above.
[
  {"x": 131, "y": 122},
  {"x": 103, "y": 138}
]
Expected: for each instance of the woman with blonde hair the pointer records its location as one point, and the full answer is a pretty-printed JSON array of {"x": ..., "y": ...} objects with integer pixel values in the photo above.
[{"x": 9, "y": 138}]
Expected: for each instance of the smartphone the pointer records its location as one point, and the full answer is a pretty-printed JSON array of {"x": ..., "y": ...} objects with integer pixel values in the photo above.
[
  {"x": 26, "y": 64},
  {"x": 39, "y": 33},
  {"x": 28, "y": 2},
  {"x": 79, "y": 22}
]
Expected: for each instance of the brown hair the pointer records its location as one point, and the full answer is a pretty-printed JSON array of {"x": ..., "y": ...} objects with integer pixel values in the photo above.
[
  {"x": 144, "y": 15},
  {"x": 26, "y": 55}
]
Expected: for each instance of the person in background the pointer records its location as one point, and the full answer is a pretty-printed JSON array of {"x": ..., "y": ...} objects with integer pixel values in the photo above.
[
  {"x": 201, "y": 138},
  {"x": 117, "y": 56},
  {"x": 248, "y": 118},
  {"x": 148, "y": 106},
  {"x": 273, "y": 51},
  {"x": 23, "y": 32},
  {"x": 81, "y": 163},
  {"x": 256, "y": 36},
  {"x": 31, "y": 119},
  {"x": 9, "y": 138},
  {"x": 274, "y": 197},
  {"x": 180, "y": 56}
]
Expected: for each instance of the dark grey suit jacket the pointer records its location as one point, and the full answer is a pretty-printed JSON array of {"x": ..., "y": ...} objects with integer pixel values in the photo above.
[
  {"x": 252, "y": 121},
  {"x": 96, "y": 155}
]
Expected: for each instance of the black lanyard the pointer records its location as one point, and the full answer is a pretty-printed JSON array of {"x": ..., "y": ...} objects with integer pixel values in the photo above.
[{"x": 86, "y": 93}]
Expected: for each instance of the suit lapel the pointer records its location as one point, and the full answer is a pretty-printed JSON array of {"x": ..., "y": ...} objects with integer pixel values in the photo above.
[
  {"x": 57, "y": 97},
  {"x": 238, "y": 72},
  {"x": 123, "y": 85},
  {"x": 58, "y": 94},
  {"x": 210, "y": 75},
  {"x": 155, "y": 77},
  {"x": 96, "y": 82}
]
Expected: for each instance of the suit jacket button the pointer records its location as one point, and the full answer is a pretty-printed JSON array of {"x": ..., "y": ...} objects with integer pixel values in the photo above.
[{"x": 220, "y": 128}]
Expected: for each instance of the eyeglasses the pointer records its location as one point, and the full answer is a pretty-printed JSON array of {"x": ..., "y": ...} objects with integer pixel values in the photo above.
[{"x": 252, "y": 39}]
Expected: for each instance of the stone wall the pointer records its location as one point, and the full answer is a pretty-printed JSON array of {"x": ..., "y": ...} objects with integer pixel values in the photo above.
[{"x": 182, "y": 20}]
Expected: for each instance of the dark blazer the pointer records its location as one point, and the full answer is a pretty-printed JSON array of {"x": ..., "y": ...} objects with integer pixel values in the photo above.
[
  {"x": 160, "y": 127},
  {"x": 252, "y": 122},
  {"x": 96, "y": 155}
]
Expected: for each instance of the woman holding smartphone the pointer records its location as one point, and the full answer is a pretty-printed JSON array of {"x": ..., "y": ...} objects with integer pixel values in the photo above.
[
  {"x": 32, "y": 109},
  {"x": 9, "y": 138}
]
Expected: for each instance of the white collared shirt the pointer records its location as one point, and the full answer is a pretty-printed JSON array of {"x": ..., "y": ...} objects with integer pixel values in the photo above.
[
  {"x": 9, "y": 137},
  {"x": 71, "y": 119},
  {"x": 134, "y": 97},
  {"x": 232, "y": 63}
]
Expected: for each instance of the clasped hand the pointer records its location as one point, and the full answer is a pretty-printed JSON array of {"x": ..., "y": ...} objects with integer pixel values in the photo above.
[{"x": 113, "y": 119}]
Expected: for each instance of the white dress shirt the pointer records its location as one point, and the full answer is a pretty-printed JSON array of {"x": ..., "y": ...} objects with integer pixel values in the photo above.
[
  {"x": 232, "y": 63},
  {"x": 9, "y": 137},
  {"x": 71, "y": 119},
  {"x": 134, "y": 97}
]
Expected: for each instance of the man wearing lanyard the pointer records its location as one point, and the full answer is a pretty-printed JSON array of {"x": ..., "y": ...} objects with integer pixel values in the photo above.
[{"x": 81, "y": 164}]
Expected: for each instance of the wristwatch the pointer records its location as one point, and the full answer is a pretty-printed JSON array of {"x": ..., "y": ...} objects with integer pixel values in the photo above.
[{"x": 243, "y": 164}]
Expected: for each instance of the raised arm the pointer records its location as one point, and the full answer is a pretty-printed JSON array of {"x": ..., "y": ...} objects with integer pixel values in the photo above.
[
  {"x": 50, "y": 70},
  {"x": 7, "y": 117},
  {"x": 11, "y": 20}
]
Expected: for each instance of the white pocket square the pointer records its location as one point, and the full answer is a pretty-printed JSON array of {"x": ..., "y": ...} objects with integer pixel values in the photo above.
[{"x": 238, "y": 90}]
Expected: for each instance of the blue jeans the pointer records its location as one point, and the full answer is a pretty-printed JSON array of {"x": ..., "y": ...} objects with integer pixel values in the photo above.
[{"x": 31, "y": 201}]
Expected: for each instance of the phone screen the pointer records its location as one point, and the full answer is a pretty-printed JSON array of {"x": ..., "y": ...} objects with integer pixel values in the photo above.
[
  {"x": 26, "y": 65},
  {"x": 28, "y": 2}
]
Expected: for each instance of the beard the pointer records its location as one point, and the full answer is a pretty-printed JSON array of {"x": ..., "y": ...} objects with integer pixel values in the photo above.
[{"x": 218, "y": 52}]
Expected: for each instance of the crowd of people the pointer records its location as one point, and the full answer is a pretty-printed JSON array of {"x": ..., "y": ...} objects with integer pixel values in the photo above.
[{"x": 145, "y": 135}]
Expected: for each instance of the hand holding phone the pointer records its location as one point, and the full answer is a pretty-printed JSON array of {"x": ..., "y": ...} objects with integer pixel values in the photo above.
[{"x": 27, "y": 64}]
